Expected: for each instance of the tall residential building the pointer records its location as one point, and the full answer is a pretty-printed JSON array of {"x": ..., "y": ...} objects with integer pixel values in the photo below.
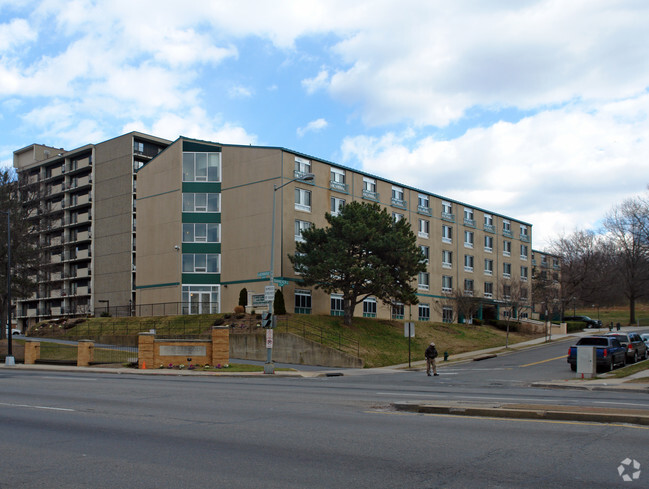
[
  {"x": 86, "y": 215},
  {"x": 204, "y": 233}
]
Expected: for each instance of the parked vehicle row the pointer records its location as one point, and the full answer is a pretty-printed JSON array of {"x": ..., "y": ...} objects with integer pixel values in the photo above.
[{"x": 612, "y": 350}]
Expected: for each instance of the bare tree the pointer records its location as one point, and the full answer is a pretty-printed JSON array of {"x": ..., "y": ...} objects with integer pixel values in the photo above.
[
  {"x": 514, "y": 297},
  {"x": 627, "y": 225}
]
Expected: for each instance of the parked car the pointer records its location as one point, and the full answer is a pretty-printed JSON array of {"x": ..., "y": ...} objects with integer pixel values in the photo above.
[
  {"x": 645, "y": 338},
  {"x": 591, "y": 323},
  {"x": 609, "y": 352},
  {"x": 14, "y": 331},
  {"x": 636, "y": 349}
]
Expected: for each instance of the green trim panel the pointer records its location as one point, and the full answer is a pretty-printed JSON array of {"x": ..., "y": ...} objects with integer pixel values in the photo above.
[
  {"x": 200, "y": 147},
  {"x": 202, "y": 187},
  {"x": 153, "y": 286},
  {"x": 200, "y": 217},
  {"x": 252, "y": 280},
  {"x": 201, "y": 278},
  {"x": 201, "y": 247}
]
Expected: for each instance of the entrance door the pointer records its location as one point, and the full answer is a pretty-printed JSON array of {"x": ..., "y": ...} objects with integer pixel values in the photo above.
[{"x": 199, "y": 302}]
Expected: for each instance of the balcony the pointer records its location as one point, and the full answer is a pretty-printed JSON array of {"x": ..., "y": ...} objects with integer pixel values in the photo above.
[
  {"x": 490, "y": 228},
  {"x": 400, "y": 203},
  {"x": 426, "y": 211},
  {"x": 525, "y": 238},
  {"x": 447, "y": 216},
  {"x": 338, "y": 187},
  {"x": 508, "y": 233},
  {"x": 370, "y": 195},
  {"x": 469, "y": 222}
]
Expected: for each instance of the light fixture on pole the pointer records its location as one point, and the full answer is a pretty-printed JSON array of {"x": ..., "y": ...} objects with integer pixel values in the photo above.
[
  {"x": 9, "y": 359},
  {"x": 269, "y": 368}
]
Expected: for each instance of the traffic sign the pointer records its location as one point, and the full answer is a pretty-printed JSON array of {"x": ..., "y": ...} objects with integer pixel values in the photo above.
[
  {"x": 409, "y": 329},
  {"x": 269, "y": 293},
  {"x": 269, "y": 338},
  {"x": 281, "y": 282},
  {"x": 263, "y": 274}
]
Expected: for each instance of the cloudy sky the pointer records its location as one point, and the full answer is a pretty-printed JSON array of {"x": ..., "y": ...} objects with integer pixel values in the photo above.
[{"x": 533, "y": 109}]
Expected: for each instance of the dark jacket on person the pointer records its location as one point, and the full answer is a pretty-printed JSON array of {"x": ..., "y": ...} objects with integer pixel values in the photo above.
[{"x": 431, "y": 352}]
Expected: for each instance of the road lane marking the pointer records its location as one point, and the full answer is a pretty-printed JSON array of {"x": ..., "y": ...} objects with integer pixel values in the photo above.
[
  {"x": 49, "y": 408},
  {"x": 544, "y": 361},
  {"x": 620, "y": 403}
]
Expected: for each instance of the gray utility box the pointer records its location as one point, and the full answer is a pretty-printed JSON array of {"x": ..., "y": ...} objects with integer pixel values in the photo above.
[{"x": 586, "y": 361}]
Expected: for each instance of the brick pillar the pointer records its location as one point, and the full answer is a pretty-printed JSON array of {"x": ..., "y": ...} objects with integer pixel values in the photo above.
[
  {"x": 220, "y": 345},
  {"x": 146, "y": 350},
  {"x": 32, "y": 352},
  {"x": 85, "y": 352}
]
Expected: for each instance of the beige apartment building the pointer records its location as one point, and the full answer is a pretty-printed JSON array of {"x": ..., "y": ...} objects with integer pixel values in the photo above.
[
  {"x": 85, "y": 210},
  {"x": 204, "y": 221}
]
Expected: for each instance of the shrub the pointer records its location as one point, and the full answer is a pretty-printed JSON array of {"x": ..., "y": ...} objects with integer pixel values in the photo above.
[
  {"x": 239, "y": 309},
  {"x": 243, "y": 297},
  {"x": 279, "y": 307},
  {"x": 218, "y": 322},
  {"x": 501, "y": 324}
]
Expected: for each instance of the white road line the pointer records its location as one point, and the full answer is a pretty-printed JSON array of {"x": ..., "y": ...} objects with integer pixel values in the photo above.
[
  {"x": 620, "y": 403},
  {"x": 35, "y": 407}
]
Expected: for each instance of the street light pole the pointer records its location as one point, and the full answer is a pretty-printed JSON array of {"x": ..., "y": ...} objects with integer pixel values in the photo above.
[
  {"x": 9, "y": 359},
  {"x": 269, "y": 368}
]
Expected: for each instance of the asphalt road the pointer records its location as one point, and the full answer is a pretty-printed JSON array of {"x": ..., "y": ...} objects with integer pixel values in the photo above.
[{"x": 105, "y": 431}]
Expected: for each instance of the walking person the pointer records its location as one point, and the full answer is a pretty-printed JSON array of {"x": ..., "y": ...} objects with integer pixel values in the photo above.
[{"x": 431, "y": 355}]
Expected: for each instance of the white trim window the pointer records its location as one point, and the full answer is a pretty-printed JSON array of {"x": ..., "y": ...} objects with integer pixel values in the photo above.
[
  {"x": 337, "y": 305},
  {"x": 423, "y": 201},
  {"x": 524, "y": 274},
  {"x": 397, "y": 194},
  {"x": 336, "y": 206},
  {"x": 193, "y": 202},
  {"x": 369, "y": 307},
  {"x": 524, "y": 234},
  {"x": 337, "y": 176},
  {"x": 488, "y": 266},
  {"x": 201, "y": 262},
  {"x": 447, "y": 208},
  {"x": 507, "y": 270},
  {"x": 507, "y": 226},
  {"x": 488, "y": 290},
  {"x": 201, "y": 232},
  {"x": 302, "y": 200},
  {"x": 469, "y": 217},
  {"x": 524, "y": 250},
  {"x": 488, "y": 220},
  {"x": 397, "y": 217},
  {"x": 424, "y": 312},
  {"x": 468, "y": 239},
  {"x": 468, "y": 263},
  {"x": 302, "y": 299},
  {"x": 447, "y": 234},
  {"x": 424, "y": 228},
  {"x": 488, "y": 244},
  {"x": 447, "y": 283},
  {"x": 369, "y": 185},
  {"x": 299, "y": 227},
  {"x": 468, "y": 287},
  {"x": 201, "y": 167},
  {"x": 425, "y": 250},
  {"x": 423, "y": 281},
  {"x": 447, "y": 259},
  {"x": 302, "y": 167},
  {"x": 447, "y": 314},
  {"x": 507, "y": 248}
]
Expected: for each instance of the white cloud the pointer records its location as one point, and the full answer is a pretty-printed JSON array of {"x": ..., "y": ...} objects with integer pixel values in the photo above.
[
  {"x": 320, "y": 81},
  {"x": 313, "y": 126},
  {"x": 15, "y": 33},
  {"x": 239, "y": 91},
  {"x": 558, "y": 170}
]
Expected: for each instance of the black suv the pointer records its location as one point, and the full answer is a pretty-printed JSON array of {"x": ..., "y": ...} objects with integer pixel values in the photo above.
[{"x": 591, "y": 323}]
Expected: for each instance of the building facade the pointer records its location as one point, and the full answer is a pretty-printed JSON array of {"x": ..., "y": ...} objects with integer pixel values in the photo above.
[
  {"x": 85, "y": 210},
  {"x": 205, "y": 224}
]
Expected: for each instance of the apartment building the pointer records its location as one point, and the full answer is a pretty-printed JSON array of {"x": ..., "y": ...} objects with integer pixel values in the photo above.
[
  {"x": 546, "y": 274},
  {"x": 204, "y": 215},
  {"x": 85, "y": 210}
]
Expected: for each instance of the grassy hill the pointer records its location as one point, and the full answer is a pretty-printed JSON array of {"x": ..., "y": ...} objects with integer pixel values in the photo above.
[{"x": 378, "y": 342}]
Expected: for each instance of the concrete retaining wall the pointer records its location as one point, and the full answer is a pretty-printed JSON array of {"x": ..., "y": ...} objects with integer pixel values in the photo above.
[{"x": 290, "y": 348}]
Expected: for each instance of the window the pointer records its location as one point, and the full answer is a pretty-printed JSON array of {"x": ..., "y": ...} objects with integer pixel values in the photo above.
[
  {"x": 424, "y": 227},
  {"x": 447, "y": 314},
  {"x": 447, "y": 234},
  {"x": 299, "y": 227},
  {"x": 426, "y": 252},
  {"x": 200, "y": 299},
  {"x": 524, "y": 274},
  {"x": 507, "y": 291},
  {"x": 524, "y": 235},
  {"x": 524, "y": 294},
  {"x": 468, "y": 287},
  {"x": 201, "y": 202},
  {"x": 337, "y": 305},
  {"x": 201, "y": 262},
  {"x": 468, "y": 217},
  {"x": 302, "y": 301},
  {"x": 398, "y": 197},
  {"x": 423, "y": 281},
  {"x": 302, "y": 167},
  {"x": 488, "y": 267},
  {"x": 369, "y": 189},
  {"x": 488, "y": 221},
  {"x": 336, "y": 206},
  {"x": 424, "y": 312},
  {"x": 423, "y": 204},
  {"x": 396, "y": 216},
  {"x": 369, "y": 307},
  {"x": 488, "y": 244},
  {"x": 447, "y": 211},
  {"x": 507, "y": 270},
  {"x": 523, "y": 252},
  {"x": 201, "y": 167},
  {"x": 447, "y": 283},
  {"x": 488, "y": 290},
  {"x": 468, "y": 263},
  {"x": 337, "y": 180},
  {"x": 507, "y": 227},
  {"x": 447, "y": 259},
  {"x": 507, "y": 248},
  {"x": 398, "y": 311},
  {"x": 302, "y": 200},
  {"x": 468, "y": 239},
  {"x": 201, "y": 232}
]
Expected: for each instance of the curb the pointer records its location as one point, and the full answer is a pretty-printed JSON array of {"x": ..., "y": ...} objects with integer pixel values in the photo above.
[{"x": 554, "y": 413}]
